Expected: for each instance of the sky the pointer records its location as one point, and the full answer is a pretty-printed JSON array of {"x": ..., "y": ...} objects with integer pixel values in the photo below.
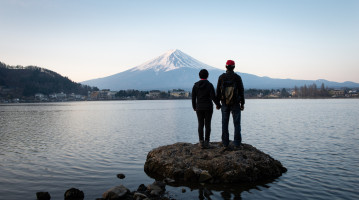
[{"x": 87, "y": 39}]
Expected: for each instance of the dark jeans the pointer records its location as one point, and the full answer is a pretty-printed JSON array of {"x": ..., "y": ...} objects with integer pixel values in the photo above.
[
  {"x": 204, "y": 119},
  {"x": 236, "y": 114}
]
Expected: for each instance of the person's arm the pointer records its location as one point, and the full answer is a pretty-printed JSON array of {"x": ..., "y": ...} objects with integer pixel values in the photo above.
[
  {"x": 214, "y": 98},
  {"x": 218, "y": 89},
  {"x": 194, "y": 98},
  {"x": 241, "y": 92}
]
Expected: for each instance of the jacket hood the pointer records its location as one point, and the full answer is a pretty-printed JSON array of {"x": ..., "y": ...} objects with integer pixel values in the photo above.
[{"x": 201, "y": 83}]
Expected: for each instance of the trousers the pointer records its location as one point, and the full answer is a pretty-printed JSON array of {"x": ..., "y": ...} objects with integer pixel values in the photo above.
[{"x": 204, "y": 120}]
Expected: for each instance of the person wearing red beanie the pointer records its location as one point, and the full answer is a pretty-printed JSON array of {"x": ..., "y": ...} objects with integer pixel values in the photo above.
[
  {"x": 230, "y": 62},
  {"x": 231, "y": 92}
]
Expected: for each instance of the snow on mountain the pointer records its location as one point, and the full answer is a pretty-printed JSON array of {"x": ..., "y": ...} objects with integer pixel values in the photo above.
[
  {"x": 177, "y": 70},
  {"x": 171, "y": 70},
  {"x": 171, "y": 60}
]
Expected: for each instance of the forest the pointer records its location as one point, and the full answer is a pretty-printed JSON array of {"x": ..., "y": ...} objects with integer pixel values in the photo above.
[{"x": 19, "y": 81}]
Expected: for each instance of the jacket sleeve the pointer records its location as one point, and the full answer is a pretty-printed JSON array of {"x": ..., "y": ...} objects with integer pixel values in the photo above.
[
  {"x": 194, "y": 97},
  {"x": 218, "y": 89},
  {"x": 241, "y": 90}
]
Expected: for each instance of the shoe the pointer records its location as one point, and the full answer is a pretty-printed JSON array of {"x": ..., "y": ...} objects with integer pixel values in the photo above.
[
  {"x": 223, "y": 145},
  {"x": 206, "y": 144},
  {"x": 201, "y": 144}
]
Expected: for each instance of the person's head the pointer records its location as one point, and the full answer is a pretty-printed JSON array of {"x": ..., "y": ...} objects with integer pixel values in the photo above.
[
  {"x": 230, "y": 65},
  {"x": 203, "y": 74}
]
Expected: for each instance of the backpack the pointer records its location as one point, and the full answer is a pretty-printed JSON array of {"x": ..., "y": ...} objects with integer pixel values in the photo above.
[{"x": 229, "y": 91}]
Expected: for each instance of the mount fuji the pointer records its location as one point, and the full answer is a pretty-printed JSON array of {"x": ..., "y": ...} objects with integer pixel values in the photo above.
[
  {"x": 177, "y": 70},
  {"x": 171, "y": 70}
]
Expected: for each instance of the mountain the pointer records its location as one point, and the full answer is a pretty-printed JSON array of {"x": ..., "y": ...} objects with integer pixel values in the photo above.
[
  {"x": 175, "y": 69},
  {"x": 172, "y": 70},
  {"x": 27, "y": 81}
]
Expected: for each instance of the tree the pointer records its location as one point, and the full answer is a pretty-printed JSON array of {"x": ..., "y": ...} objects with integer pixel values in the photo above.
[{"x": 284, "y": 93}]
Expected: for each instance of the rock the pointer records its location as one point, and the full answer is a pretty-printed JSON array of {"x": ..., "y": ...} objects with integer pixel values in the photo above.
[
  {"x": 168, "y": 180},
  {"x": 157, "y": 188},
  {"x": 204, "y": 176},
  {"x": 186, "y": 162},
  {"x": 139, "y": 196},
  {"x": 141, "y": 188},
  {"x": 74, "y": 194},
  {"x": 43, "y": 196},
  {"x": 116, "y": 192},
  {"x": 207, "y": 192},
  {"x": 121, "y": 176}
]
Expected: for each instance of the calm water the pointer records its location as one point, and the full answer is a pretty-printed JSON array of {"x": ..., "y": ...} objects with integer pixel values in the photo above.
[{"x": 55, "y": 146}]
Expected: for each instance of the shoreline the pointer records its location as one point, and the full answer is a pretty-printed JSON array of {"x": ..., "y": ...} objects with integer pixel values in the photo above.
[{"x": 38, "y": 102}]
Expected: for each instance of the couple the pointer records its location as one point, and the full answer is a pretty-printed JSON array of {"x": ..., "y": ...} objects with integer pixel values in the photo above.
[{"x": 231, "y": 94}]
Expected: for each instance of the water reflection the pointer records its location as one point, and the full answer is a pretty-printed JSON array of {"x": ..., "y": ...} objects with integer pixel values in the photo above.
[
  {"x": 226, "y": 191},
  {"x": 54, "y": 146}
]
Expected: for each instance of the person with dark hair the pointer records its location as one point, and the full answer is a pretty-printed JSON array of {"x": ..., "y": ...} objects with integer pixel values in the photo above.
[
  {"x": 203, "y": 94},
  {"x": 231, "y": 93}
]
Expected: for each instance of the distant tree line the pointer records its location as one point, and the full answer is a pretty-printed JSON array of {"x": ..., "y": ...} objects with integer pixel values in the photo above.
[
  {"x": 27, "y": 81},
  {"x": 132, "y": 93},
  {"x": 311, "y": 91},
  {"x": 141, "y": 95}
]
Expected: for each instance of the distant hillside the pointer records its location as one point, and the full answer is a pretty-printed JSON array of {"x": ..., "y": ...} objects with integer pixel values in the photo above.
[
  {"x": 27, "y": 81},
  {"x": 175, "y": 69}
]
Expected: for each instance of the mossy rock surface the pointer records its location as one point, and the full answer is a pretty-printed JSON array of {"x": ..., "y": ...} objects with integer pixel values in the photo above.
[{"x": 190, "y": 163}]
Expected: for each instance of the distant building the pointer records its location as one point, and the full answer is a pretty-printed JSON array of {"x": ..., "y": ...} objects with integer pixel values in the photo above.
[
  {"x": 94, "y": 95},
  {"x": 353, "y": 93},
  {"x": 337, "y": 93},
  {"x": 153, "y": 94},
  {"x": 61, "y": 96},
  {"x": 179, "y": 94},
  {"x": 111, "y": 95},
  {"x": 103, "y": 94},
  {"x": 40, "y": 97}
]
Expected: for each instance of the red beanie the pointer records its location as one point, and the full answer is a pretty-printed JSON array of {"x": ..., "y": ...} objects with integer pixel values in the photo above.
[{"x": 230, "y": 62}]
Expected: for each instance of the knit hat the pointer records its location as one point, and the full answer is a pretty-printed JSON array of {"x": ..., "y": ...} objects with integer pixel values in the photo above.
[{"x": 230, "y": 62}]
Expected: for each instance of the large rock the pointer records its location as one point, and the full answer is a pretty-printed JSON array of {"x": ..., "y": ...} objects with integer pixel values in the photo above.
[{"x": 188, "y": 162}]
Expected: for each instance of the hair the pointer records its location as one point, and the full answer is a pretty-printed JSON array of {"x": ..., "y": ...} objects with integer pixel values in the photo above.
[
  {"x": 230, "y": 67},
  {"x": 203, "y": 74}
]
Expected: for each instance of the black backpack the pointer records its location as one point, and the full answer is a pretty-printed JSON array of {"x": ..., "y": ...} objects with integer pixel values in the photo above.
[{"x": 229, "y": 90}]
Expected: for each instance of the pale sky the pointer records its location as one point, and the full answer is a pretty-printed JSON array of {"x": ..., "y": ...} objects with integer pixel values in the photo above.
[{"x": 86, "y": 39}]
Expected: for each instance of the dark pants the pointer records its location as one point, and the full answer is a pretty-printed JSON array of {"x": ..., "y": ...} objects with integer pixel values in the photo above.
[
  {"x": 236, "y": 114},
  {"x": 204, "y": 119}
]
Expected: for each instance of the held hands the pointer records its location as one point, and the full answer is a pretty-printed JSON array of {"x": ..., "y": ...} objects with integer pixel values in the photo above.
[{"x": 218, "y": 107}]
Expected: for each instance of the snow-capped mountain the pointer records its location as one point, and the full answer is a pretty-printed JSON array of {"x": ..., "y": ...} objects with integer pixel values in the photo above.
[
  {"x": 171, "y": 70},
  {"x": 177, "y": 70},
  {"x": 172, "y": 60}
]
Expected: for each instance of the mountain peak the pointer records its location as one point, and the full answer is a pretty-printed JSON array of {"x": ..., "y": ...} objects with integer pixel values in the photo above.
[{"x": 171, "y": 60}]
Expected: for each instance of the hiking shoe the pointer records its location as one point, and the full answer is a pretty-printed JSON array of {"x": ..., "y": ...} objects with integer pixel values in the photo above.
[
  {"x": 201, "y": 144},
  {"x": 222, "y": 145},
  {"x": 206, "y": 145}
]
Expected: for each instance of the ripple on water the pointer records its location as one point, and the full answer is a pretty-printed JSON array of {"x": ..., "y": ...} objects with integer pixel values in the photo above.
[{"x": 52, "y": 147}]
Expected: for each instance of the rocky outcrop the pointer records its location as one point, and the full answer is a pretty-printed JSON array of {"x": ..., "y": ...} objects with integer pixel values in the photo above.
[
  {"x": 190, "y": 163},
  {"x": 154, "y": 191}
]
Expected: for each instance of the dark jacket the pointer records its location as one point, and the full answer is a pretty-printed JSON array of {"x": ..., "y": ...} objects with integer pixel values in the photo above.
[
  {"x": 230, "y": 75},
  {"x": 202, "y": 96}
]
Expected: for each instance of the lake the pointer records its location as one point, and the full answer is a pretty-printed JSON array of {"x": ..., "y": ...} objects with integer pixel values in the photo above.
[{"x": 55, "y": 146}]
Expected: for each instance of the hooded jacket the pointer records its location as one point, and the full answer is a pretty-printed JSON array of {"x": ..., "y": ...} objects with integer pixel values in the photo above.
[{"x": 202, "y": 96}]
